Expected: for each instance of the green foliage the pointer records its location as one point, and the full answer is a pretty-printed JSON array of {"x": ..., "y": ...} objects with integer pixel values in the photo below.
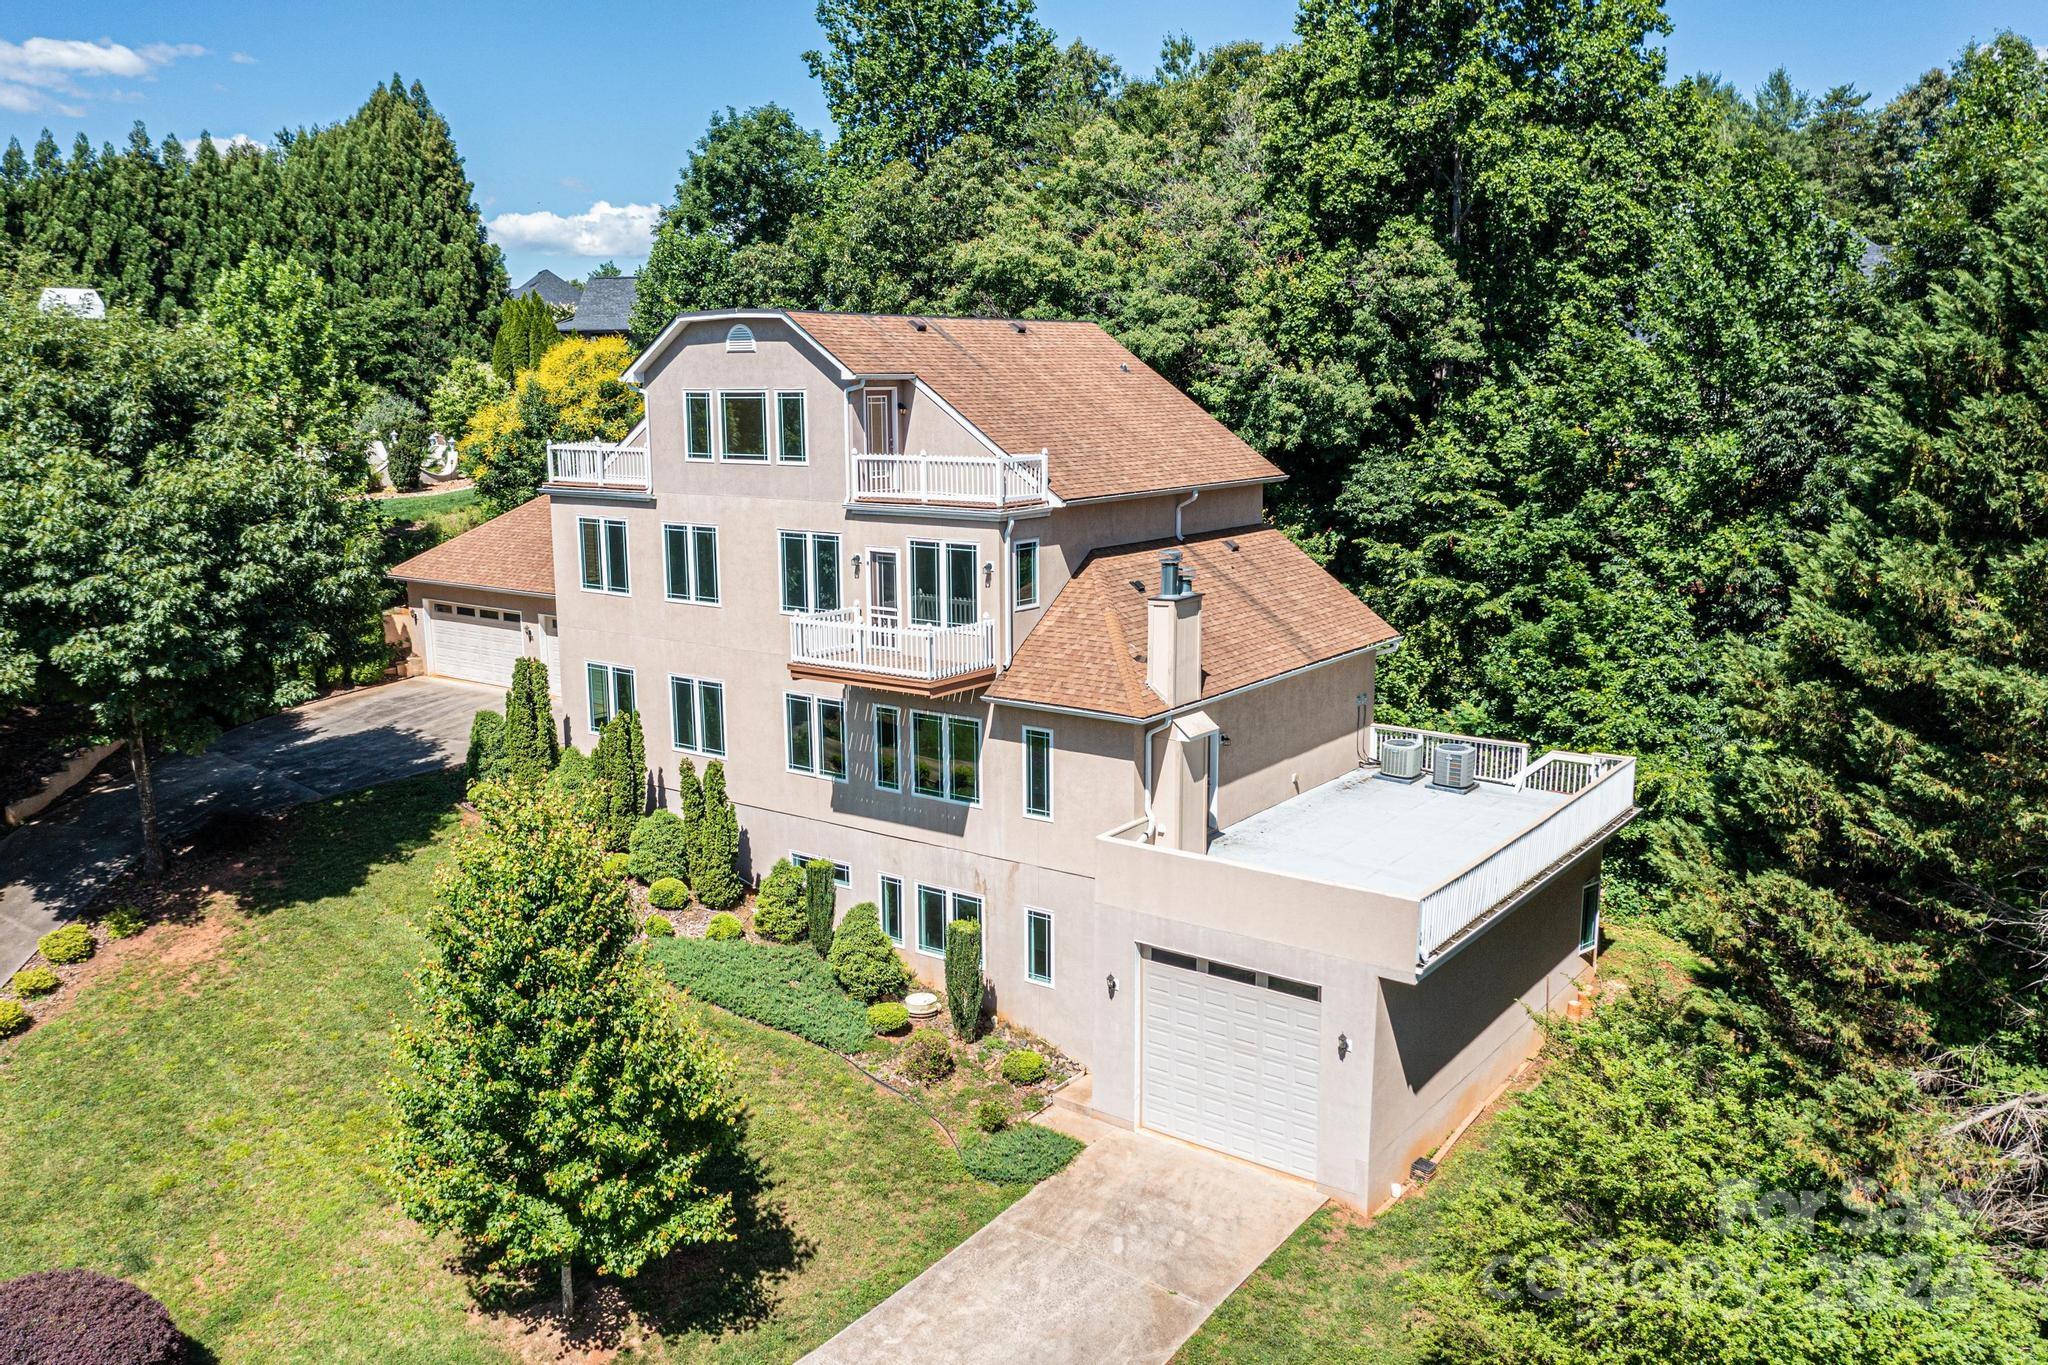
[
  {"x": 616, "y": 866},
  {"x": 927, "y": 1058},
  {"x": 531, "y": 748},
  {"x": 668, "y": 894},
  {"x": 780, "y": 908},
  {"x": 573, "y": 394},
  {"x": 863, "y": 958},
  {"x": 724, "y": 926},
  {"x": 552, "y": 1105},
  {"x": 964, "y": 981},
  {"x": 888, "y": 1017},
  {"x": 819, "y": 902},
  {"x": 660, "y": 848},
  {"x": 30, "y": 982},
  {"x": 72, "y": 943},
  {"x": 575, "y": 777},
  {"x": 13, "y": 1018},
  {"x": 124, "y": 921},
  {"x": 782, "y": 986},
  {"x": 1023, "y": 1067},
  {"x": 485, "y": 760},
  {"x": 464, "y": 389},
  {"x": 281, "y": 329},
  {"x": 1025, "y": 1154},
  {"x": 715, "y": 845},
  {"x": 991, "y": 1116},
  {"x": 620, "y": 764},
  {"x": 526, "y": 332},
  {"x": 658, "y": 926},
  {"x": 401, "y": 425}
]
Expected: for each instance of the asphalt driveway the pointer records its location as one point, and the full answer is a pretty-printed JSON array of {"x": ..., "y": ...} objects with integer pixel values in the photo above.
[{"x": 52, "y": 868}]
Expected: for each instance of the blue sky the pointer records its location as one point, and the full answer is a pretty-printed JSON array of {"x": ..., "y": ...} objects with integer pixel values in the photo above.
[{"x": 573, "y": 118}]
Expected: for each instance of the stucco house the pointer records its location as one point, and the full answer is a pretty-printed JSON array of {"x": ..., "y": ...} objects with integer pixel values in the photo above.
[{"x": 986, "y": 613}]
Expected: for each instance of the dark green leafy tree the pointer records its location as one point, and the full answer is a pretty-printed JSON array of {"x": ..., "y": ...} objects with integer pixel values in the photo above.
[
  {"x": 279, "y": 325},
  {"x": 531, "y": 746},
  {"x": 964, "y": 981},
  {"x": 819, "y": 901},
  {"x": 553, "y": 1108},
  {"x": 715, "y": 846}
]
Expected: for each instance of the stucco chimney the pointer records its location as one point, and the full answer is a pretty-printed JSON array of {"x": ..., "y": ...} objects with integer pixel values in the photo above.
[{"x": 1173, "y": 635}]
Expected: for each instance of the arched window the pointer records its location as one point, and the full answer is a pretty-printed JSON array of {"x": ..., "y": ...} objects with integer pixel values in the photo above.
[{"x": 740, "y": 338}]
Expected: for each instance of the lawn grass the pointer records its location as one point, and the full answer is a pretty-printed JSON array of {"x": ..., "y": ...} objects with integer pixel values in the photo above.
[
  {"x": 423, "y": 506},
  {"x": 205, "y": 1119}
]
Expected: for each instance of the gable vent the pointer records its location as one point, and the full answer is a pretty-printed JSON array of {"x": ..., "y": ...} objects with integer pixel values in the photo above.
[{"x": 740, "y": 338}]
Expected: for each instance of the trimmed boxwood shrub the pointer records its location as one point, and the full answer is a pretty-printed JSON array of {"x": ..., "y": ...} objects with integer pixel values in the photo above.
[
  {"x": 125, "y": 921},
  {"x": 668, "y": 894},
  {"x": 888, "y": 1017},
  {"x": 991, "y": 1116},
  {"x": 615, "y": 865},
  {"x": 30, "y": 982},
  {"x": 724, "y": 925},
  {"x": 863, "y": 958},
  {"x": 1025, "y": 1154},
  {"x": 660, "y": 847},
  {"x": 81, "y": 1317},
  {"x": 658, "y": 926},
  {"x": 784, "y": 986},
  {"x": 13, "y": 1018},
  {"x": 1023, "y": 1067},
  {"x": 779, "y": 914},
  {"x": 927, "y": 1057},
  {"x": 72, "y": 943}
]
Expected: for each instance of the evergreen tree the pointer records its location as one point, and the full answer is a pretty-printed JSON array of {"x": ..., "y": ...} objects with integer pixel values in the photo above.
[
  {"x": 690, "y": 809},
  {"x": 862, "y": 958},
  {"x": 553, "y": 1107},
  {"x": 715, "y": 851},
  {"x": 621, "y": 762},
  {"x": 964, "y": 983},
  {"x": 819, "y": 902},
  {"x": 531, "y": 748}
]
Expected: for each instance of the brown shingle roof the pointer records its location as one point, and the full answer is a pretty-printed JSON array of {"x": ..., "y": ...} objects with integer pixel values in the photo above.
[
  {"x": 1267, "y": 608},
  {"x": 514, "y": 552},
  {"x": 1110, "y": 423}
]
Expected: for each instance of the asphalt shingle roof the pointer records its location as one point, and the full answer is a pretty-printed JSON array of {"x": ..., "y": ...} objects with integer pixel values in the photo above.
[
  {"x": 514, "y": 552},
  {"x": 606, "y": 306},
  {"x": 552, "y": 288}
]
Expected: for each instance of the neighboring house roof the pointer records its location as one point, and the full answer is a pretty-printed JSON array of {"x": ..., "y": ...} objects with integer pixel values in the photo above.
[
  {"x": 514, "y": 552},
  {"x": 552, "y": 288},
  {"x": 606, "y": 306},
  {"x": 1111, "y": 424},
  {"x": 1267, "y": 609},
  {"x": 84, "y": 303}
]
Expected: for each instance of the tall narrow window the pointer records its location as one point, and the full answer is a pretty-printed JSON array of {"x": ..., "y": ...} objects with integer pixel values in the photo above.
[
  {"x": 711, "y": 716},
  {"x": 963, "y": 760},
  {"x": 697, "y": 426},
  {"x": 824, "y": 573},
  {"x": 601, "y": 551},
  {"x": 697, "y": 715},
  {"x": 796, "y": 579},
  {"x": 927, "y": 754},
  {"x": 892, "y": 907},
  {"x": 1024, "y": 573},
  {"x": 802, "y": 757},
  {"x": 889, "y": 748},
  {"x": 924, "y": 583},
  {"x": 615, "y": 557},
  {"x": 1038, "y": 946},
  {"x": 931, "y": 920},
  {"x": 704, "y": 573},
  {"x": 682, "y": 712},
  {"x": 1589, "y": 917},
  {"x": 1038, "y": 773},
  {"x": 831, "y": 738},
  {"x": 789, "y": 411},
  {"x": 961, "y": 589},
  {"x": 743, "y": 417},
  {"x": 610, "y": 690}
]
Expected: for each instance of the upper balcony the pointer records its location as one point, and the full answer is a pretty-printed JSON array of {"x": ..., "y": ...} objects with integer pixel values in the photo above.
[
  {"x": 876, "y": 650},
  {"x": 599, "y": 464},
  {"x": 995, "y": 482}
]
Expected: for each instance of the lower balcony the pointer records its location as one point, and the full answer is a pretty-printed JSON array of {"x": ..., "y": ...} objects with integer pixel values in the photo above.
[
  {"x": 878, "y": 650},
  {"x": 598, "y": 464}
]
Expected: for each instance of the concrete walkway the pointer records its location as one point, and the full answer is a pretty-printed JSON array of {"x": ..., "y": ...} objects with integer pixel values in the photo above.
[
  {"x": 52, "y": 868},
  {"x": 1119, "y": 1257}
]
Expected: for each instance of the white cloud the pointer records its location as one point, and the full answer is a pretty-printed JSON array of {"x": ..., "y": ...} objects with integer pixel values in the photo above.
[
  {"x": 222, "y": 144},
  {"x": 44, "y": 73},
  {"x": 241, "y": 59},
  {"x": 605, "y": 229}
]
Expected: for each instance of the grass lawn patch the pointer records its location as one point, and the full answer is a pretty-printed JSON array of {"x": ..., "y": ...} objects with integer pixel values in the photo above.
[
  {"x": 785, "y": 986},
  {"x": 206, "y": 1116},
  {"x": 425, "y": 506}
]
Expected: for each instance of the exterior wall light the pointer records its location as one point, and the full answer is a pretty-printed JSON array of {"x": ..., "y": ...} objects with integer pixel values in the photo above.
[
  {"x": 1343, "y": 1046},
  {"x": 1112, "y": 985}
]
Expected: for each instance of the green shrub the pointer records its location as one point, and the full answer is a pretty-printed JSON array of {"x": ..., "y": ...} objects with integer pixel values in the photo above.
[
  {"x": 784, "y": 986},
  {"x": 724, "y": 925},
  {"x": 991, "y": 1116},
  {"x": 1025, "y": 1154},
  {"x": 657, "y": 926},
  {"x": 620, "y": 792},
  {"x": 124, "y": 921},
  {"x": 1023, "y": 1067},
  {"x": 13, "y": 1018},
  {"x": 573, "y": 773},
  {"x": 72, "y": 943},
  {"x": 963, "y": 977},
  {"x": 486, "y": 758},
  {"x": 614, "y": 866},
  {"x": 863, "y": 958},
  {"x": 659, "y": 848},
  {"x": 927, "y": 1057},
  {"x": 779, "y": 909},
  {"x": 30, "y": 982},
  {"x": 888, "y": 1017},
  {"x": 531, "y": 748},
  {"x": 715, "y": 844},
  {"x": 819, "y": 902},
  {"x": 668, "y": 894}
]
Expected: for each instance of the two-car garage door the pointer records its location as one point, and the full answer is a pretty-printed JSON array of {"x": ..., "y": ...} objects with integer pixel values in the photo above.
[
  {"x": 1230, "y": 1059},
  {"x": 477, "y": 643}
]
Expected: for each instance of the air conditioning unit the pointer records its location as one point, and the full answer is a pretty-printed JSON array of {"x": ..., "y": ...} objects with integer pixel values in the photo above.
[
  {"x": 1401, "y": 759},
  {"x": 1457, "y": 767}
]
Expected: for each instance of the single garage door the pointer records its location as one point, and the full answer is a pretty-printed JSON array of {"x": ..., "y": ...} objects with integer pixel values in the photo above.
[
  {"x": 1230, "y": 1059},
  {"x": 478, "y": 643}
]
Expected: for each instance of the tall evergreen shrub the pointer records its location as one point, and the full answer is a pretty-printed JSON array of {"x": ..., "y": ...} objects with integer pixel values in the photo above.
[
  {"x": 963, "y": 977},
  {"x": 715, "y": 852},
  {"x": 818, "y": 904}
]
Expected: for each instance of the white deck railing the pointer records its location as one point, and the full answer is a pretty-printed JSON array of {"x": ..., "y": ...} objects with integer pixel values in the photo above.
[
  {"x": 598, "y": 463},
  {"x": 965, "y": 480},
  {"x": 1499, "y": 760},
  {"x": 845, "y": 639}
]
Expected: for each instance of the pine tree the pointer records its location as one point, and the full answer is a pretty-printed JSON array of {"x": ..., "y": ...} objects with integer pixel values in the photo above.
[
  {"x": 531, "y": 749},
  {"x": 819, "y": 903},
  {"x": 715, "y": 852},
  {"x": 553, "y": 1107}
]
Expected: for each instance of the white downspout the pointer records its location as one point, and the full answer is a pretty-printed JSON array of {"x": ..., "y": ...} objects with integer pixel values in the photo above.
[
  {"x": 1009, "y": 607},
  {"x": 1193, "y": 493},
  {"x": 1145, "y": 763}
]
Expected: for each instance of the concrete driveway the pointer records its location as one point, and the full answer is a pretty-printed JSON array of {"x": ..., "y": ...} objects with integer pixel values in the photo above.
[
  {"x": 1119, "y": 1257},
  {"x": 52, "y": 868}
]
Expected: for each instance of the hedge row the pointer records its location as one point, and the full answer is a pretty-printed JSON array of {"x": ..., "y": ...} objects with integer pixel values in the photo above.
[{"x": 785, "y": 986}]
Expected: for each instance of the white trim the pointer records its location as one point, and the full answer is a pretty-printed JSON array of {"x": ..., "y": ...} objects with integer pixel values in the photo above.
[
  {"x": 803, "y": 403},
  {"x": 725, "y": 455},
  {"x": 604, "y": 555},
  {"x": 1016, "y": 547},
  {"x": 902, "y": 934},
  {"x": 816, "y": 705},
  {"x": 1173, "y": 490},
  {"x": 1585, "y": 945},
  {"x": 739, "y": 339},
  {"x": 1051, "y": 973},
  {"x": 810, "y": 539},
  {"x": 916, "y": 937},
  {"x": 612, "y": 672},
  {"x": 635, "y": 374},
  {"x": 697, "y": 686},
  {"x": 690, "y": 530},
  {"x": 1025, "y": 745},
  {"x": 875, "y": 732},
  {"x": 710, "y": 451},
  {"x": 946, "y": 757},
  {"x": 474, "y": 587},
  {"x": 803, "y": 860}
]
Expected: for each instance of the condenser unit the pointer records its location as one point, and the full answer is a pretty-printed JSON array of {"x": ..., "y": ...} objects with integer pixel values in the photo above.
[
  {"x": 1401, "y": 759},
  {"x": 1456, "y": 767}
]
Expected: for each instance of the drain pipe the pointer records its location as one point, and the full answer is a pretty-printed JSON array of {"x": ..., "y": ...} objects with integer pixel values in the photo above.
[
  {"x": 1193, "y": 493},
  {"x": 1009, "y": 590},
  {"x": 1151, "y": 827}
]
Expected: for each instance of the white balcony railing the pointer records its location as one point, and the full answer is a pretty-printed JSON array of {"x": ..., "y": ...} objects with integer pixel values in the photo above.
[
  {"x": 848, "y": 641},
  {"x": 1499, "y": 760},
  {"x": 962, "y": 480},
  {"x": 599, "y": 464}
]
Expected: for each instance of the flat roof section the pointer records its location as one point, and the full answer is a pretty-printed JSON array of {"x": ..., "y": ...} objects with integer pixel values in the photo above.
[{"x": 1402, "y": 839}]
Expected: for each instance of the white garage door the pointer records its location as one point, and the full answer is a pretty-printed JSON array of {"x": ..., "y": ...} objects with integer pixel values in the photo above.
[
  {"x": 478, "y": 643},
  {"x": 1230, "y": 1059}
]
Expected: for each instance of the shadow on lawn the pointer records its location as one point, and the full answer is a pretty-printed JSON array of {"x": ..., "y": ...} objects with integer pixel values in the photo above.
[{"x": 330, "y": 848}]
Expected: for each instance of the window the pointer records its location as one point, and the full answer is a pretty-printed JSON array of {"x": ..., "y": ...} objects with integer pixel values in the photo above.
[
  {"x": 1038, "y": 946},
  {"x": 744, "y": 419},
  {"x": 810, "y": 571},
  {"x": 601, "y": 543},
  {"x": 937, "y": 907},
  {"x": 1038, "y": 773},
  {"x": 943, "y": 585},
  {"x": 697, "y": 715},
  {"x": 1024, "y": 573},
  {"x": 697, "y": 426},
  {"x": 892, "y": 908},
  {"x": 1589, "y": 917},
  {"x": 692, "y": 555},
  {"x": 945, "y": 757},
  {"x": 842, "y": 875},
  {"x": 816, "y": 732},
  {"x": 888, "y": 748},
  {"x": 611, "y": 693},
  {"x": 789, "y": 413}
]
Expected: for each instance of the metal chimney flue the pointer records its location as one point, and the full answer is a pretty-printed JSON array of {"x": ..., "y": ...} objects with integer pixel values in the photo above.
[{"x": 1172, "y": 581}]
